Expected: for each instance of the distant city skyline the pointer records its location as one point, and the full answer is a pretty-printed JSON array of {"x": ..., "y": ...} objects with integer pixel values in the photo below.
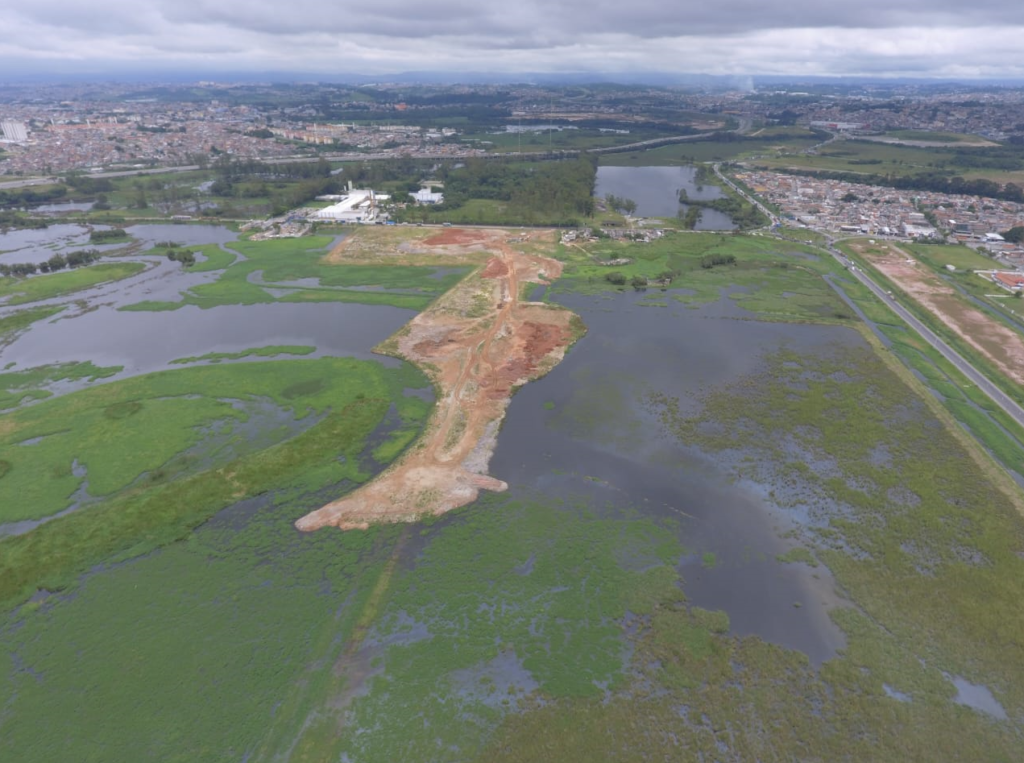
[{"x": 877, "y": 38}]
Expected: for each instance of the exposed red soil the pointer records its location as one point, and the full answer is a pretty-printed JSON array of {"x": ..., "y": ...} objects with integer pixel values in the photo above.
[
  {"x": 478, "y": 343},
  {"x": 496, "y": 268},
  {"x": 458, "y": 237}
]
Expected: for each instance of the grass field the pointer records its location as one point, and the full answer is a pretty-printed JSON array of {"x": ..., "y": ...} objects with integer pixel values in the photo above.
[
  {"x": 776, "y": 280},
  {"x": 558, "y": 140},
  {"x": 960, "y": 257},
  {"x": 687, "y": 153},
  {"x": 280, "y": 263},
  {"x": 934, "y": 136},
  {"x": 137, "y": 439},
  {"x": 21, "y": 291},
  {"x": 871, "y": 157}
]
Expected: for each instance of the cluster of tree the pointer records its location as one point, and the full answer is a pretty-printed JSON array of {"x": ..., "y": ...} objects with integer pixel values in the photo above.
[
  {"x": 690, "y": 217},
  {"x": 52, "y": 265},
  {"x": 19, "y": 197},
  {"x": 620, "y": 203},
  {"x": 87, "y": 185},
  {"x": 262, "y": 132},
  {"x": 107, "y": 236},
  {"x": 1015, "y": 235},
  {"x": 703, "y": 175},
  {"x": 186, "y": 258},
  {"x": 12, "y": 219},
  {"x": 743, "y": 214},
  {"x": 158, "y": 128},
  {"x": 562, "y": 190},
  {"x": 709, "y": 261},
  {"x": 935, "y": 182},
  {"x": 287, "y": 185},
  {"x": 618, "y": 278}
]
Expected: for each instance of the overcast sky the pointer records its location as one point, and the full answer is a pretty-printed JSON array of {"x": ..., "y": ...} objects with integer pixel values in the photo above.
[{"x": 931, "y": 38}]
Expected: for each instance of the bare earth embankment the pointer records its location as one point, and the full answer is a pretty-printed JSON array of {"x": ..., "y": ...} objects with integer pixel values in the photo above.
[
  {"x": 477, "y": 343},
  {"x": 998, "y": 343}
]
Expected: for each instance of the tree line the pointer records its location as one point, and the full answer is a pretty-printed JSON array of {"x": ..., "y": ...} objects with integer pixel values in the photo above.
[{"x": 52, "y": 265}]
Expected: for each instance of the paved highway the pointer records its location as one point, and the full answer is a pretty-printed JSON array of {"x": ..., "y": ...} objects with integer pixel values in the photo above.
[{"x": 995, "y": 394}]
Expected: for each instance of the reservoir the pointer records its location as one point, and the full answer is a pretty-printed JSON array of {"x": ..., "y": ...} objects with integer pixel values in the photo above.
[{"x": 656, "y": 192}]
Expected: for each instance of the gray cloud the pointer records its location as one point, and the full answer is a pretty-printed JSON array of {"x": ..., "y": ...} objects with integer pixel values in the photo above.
[{"x": 939, "y": 37}]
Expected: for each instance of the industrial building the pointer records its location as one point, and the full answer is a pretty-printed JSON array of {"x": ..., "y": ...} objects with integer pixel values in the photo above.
[
  {"x": 355, "y": 206},
  {"x": 426, "y": 196}
]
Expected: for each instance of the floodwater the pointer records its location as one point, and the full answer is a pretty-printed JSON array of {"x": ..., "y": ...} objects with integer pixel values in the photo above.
[
  {"x": 64, "y": 206},
  {"x": 91, "y": 328},
  {"x": 585, "y": 429},
  {"x": 656, "y": 192},
  {"x": 37, "y": 245},
  {"x": 186, "y": 235},
  {"x": 977, "y": 697}
]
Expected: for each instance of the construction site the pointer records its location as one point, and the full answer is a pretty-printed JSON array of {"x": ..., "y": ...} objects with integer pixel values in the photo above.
[{"x": 477, "y": 343}]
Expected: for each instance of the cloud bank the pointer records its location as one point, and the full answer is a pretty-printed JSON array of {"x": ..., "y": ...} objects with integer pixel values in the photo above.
[{"x": 936, "y": 38}]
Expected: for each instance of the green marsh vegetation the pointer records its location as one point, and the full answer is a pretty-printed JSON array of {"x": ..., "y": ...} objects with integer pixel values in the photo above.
[
  {"x": 770, "y": 279},
  {"x": 24, "y": 290},
  {"x": 275, "y": 263},
  {"x": 524, "y": 627},
  {"x": 256, "y": 352},
  {"x": 11, "y": 325},
  {"x": 137, "y": 442},
  {"x": 30, "y": 384},
  {"x": 916, "y": 533}
]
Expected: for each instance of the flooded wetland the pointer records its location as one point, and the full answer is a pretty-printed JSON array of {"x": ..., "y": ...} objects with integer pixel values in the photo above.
[{"x": 735, "y": 527}]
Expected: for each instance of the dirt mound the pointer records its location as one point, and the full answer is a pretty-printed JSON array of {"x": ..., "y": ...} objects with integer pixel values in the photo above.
[
  {"x": 496, "y": 268},
  {"x": 457, "y": 237},
  {"x": 477, "y": 343}
]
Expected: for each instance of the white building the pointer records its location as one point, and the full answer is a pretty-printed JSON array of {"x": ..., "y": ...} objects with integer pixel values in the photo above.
[
  {"x": 426, "y": 196},
  {"x": 14, "y": 132},
  {"x": 356, "y": 206}
]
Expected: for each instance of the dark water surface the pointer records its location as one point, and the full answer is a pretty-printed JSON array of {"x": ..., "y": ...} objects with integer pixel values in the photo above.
[
  {"x": 656, "y": 192},
  {"x": 91, "y": 328},
  {"x": 585, "y": 427}
]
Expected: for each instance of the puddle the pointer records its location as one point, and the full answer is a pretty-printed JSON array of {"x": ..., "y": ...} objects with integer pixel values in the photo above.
[{"x": 977, "y": 697}]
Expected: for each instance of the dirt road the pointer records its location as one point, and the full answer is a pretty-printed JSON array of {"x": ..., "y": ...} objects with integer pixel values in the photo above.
[{"x": 477, "y": 343}]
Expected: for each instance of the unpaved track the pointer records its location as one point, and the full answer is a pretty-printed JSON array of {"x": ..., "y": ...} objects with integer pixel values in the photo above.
[{"x": 477, "y": 343}]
